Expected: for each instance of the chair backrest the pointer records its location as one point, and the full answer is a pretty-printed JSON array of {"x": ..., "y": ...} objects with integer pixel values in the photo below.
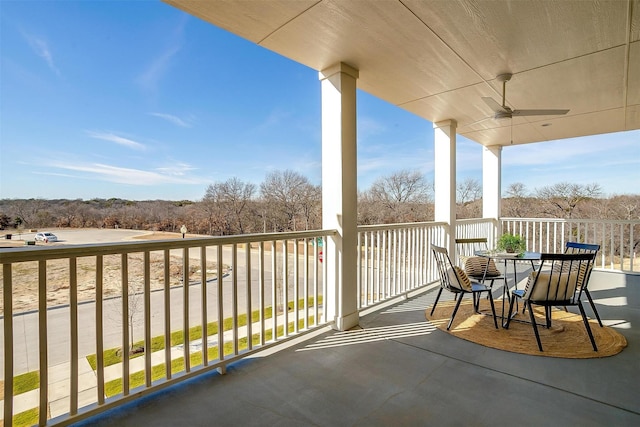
[
  {"x": 583, "y": 248},
  {"x": 452, "y": 277},
  {"x": 560, "y": 278},
  {"x": 468, "y": 247},
  {"x": 580, "y": 248},
  {"x": 475, "y": 266}
]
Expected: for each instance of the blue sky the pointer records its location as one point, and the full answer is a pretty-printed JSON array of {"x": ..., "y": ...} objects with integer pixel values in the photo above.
[{"x": 138, "y": 100}]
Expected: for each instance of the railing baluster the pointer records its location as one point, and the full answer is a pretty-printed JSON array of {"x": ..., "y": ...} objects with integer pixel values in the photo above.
[
  {"x": 285, "y": 286},
  {"x": 395, "y": 262},
  {"x": 631, "y": 247},
  {"x": 296, "y": 286},
  {"x": 7, "y": 298},
  {"x": 167, "y": 314},
  {"x": 306, "y": 282},
  {"x": 384, "y": 267},
  {"x": 274, "y": 293},
  {"x": 261, "y": 264},
  {"x": 43, "y": 341},
  {"x": 316, "y": 277},
  {"x": 403, "y": 257},
  {"x": 375, "y": 268},
  {"x": 185, "y": 310},
  {"x": 621, "y": 246},
  {"x": 100, "y": 327},
  {"x": 203, "y": 311},
  {"x": 612, "y": 248},
  {"x": 359, "y": 272},
  {"x": 73, "y": 331},
  {"x": 234, "y": 297},
  {"x": 367, "y": 271},
  {"x": 220, "y": 303},
  {"x": 125, "y": 323},
  {"x": 147, "y": 318},
  {"x": 248, "y": 286},
  {"x": 325, "y": 257}
]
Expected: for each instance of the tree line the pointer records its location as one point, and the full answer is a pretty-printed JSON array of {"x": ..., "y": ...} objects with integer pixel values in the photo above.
[{"x": 288, "y": 201}]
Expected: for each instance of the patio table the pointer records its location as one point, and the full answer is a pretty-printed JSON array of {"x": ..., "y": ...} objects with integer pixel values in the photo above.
[{"x": 506, "y": 257}]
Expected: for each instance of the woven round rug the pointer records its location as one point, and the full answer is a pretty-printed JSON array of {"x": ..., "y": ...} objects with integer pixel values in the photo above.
[{"x": 567, "y": 337}]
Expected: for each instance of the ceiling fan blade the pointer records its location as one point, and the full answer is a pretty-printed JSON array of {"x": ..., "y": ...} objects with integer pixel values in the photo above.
[
  {"x": 494, "y": 105},
  {"x": 538, "y": 112}
]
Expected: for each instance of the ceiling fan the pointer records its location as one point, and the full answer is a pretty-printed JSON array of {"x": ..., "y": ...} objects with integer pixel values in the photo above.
[{"x": 505, "y": 112}]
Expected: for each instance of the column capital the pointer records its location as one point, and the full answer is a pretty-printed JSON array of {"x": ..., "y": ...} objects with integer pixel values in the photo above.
[
  {"x": 451, "y": 123},
  {"x": 493, "y": 148},
  {"x": 340, "y": 67}
]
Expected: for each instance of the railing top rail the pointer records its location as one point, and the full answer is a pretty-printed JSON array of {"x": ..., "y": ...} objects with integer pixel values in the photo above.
[
  {"x": 399, "y": 226},
  {"x": 24, "y": 254},
  {"x": 474, "y": 221},
  {"x": 596, "y": 221}
]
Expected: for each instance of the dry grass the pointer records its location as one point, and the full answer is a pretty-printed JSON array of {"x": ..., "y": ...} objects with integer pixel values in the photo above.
[{"x": 25, "y": 277}]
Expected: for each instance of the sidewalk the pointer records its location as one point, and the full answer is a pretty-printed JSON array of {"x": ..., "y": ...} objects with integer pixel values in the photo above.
[{"x": 59, "y": 375}]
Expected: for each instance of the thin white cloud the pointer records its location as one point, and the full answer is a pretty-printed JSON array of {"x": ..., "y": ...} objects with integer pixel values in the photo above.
[
  {"x": 584, "y": 160},
  {"x": 172, "y": 119},
  {"x": 368, "y": 127},
  {"x": 41, "y": 48},
  {"x": 372, "y": 164},
  {"x": 111, "y": 137},
  {"x": 277, "y": 117},
  {"x": 151, "y": 76},
  {"x": 120, "y": 175},
  {"x": 154, "y": 72},
  {"x": 596, "y": 147},
  {"x": 179, "y": 169}
]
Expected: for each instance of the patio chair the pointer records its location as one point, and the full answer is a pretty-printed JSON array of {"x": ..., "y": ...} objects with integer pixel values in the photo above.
[
  {"x": 558, "y": 282},
  {"x": 454, "y": 279},
  {"x": 476, "y": 267},
  {"x": 579, "y": 248}
]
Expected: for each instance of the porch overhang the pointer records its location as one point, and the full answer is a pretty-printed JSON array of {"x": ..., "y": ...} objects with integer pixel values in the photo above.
[{"x": 438, "y": 59}]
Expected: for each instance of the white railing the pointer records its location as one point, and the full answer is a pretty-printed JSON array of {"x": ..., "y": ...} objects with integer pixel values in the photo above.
[
  {"x": 477, "y": 227},
  {"x": 619, "y": 240},
  {"x": 245, "y": 293},
  {"x": 395, "y": 259}
]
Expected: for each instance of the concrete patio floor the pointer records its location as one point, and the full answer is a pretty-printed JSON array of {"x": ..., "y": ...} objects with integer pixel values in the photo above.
[{"x": 397, "y": 369}]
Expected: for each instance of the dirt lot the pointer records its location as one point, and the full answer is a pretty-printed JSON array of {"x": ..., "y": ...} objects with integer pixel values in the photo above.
[{"x": 25, "y": 276}]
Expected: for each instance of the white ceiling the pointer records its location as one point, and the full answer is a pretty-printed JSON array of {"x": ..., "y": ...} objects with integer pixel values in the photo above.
[{"x": 437, "y": 59}]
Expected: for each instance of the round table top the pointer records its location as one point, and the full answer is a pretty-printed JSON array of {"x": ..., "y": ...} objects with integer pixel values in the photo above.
[{"x": 504, "y": 255}]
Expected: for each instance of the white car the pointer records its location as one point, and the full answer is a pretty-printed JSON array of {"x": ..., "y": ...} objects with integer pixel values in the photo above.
[{"x": 46, "y": 237}]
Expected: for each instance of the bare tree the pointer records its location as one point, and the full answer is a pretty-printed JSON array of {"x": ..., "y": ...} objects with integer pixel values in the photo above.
[
  {"x": 400, "y": 196},
  {"x": 134, "y": 311},
  {"x": 210, "y": 207},
  {"x": 284, "y": 192},
  {"x": 563, "y": 199},
  {"x": 517, "y": 189},
  {"x": 310, "y": 206},
  {"x": 468, "y": 191},
  {"x": 228, "y": 201},
  {"x": 516, "y": 203},
  {"x": 27, "y": 211}
]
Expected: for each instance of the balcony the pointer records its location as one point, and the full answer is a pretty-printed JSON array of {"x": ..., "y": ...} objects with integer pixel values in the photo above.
[
  {"x": 394, "y": 367},
  {"x": 396, "y": 370}
]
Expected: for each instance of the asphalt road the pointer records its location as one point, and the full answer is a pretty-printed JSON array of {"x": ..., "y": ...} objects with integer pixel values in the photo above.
[{"x": 26, "y": 347}]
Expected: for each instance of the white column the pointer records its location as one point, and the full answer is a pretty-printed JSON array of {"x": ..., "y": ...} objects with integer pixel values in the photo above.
[
  {"x": 445, "y": 176},
  {"x": 340, "y": 192},
  {"x": 491, "y": 181},
  {"x": 492, "y": 184}
]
